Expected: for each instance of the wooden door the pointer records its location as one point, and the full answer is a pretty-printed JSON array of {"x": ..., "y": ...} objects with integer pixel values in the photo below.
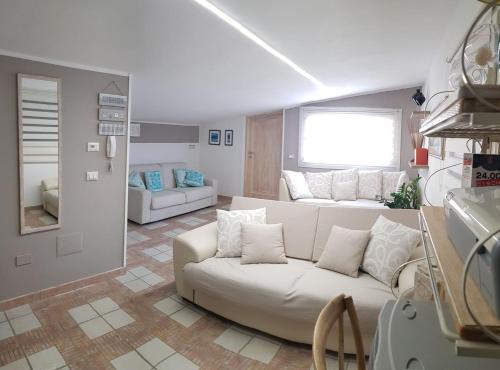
[{"x": 264, "y": 135}]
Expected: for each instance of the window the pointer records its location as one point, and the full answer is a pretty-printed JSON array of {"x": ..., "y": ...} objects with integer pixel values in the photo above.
[{"x": 349, "y": 137}]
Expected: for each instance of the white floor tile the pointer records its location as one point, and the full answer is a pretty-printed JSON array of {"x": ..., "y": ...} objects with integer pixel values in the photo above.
[
  {"x": 136, "y": 285},
  {"x": 126, "y": 278},
  {"x": 177, "y": 298},
  {"x": 138, "y": 236},
  {"x": 260, "y": 350},
  {"x": 48, "y": 359},
  {"x": 130, "y": 361},
  {"x": 95, "y": 327},
  {"x": 168, "y": 306},
  {"x": 233, "y": 340},
  {"x": 186, "y": 317},
  {"x": 155, "y": 351},
  {"x": 163, "y": 248},
  {"x": 82, "y": 313},
  {"x": 177, "y": 362},
  {"x": 18, "y": 311},
  {"x": 140, "y": 271},
  {"x": 104, "y": 305},
  {"x": 155, "y": 225},
  {"x": 152, "y": 279},
  {"x": 25, "y": 323},
  {"x": 131, "y": 241},
  {"x": 21, "y": 364},
  {"x": 118, "y": 318},
  {"x": 2, "y": 317},
  {"x": 179, "y": 230},
  {"x": 163, "y": 257},
  {"x": 170, "y": 234},
  {"x": 151, "y": 251},
  {"x": 5, "y": 331}
]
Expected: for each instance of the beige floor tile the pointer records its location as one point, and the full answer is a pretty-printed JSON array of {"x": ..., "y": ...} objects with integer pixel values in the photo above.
[
  {"x": 95, "y": 327},
  {"x": 5, "y": 331},
  {"x": 19, "y": 311},
  {"x": 104, "y": 305},
  {"x": 130, "y": 361},
  {"x": 153, "y": 279},
  {"x": 48, "y": 359},
  {"x": 21, "y": 364},
  {"x": 177, "y": 362},
  {"x": 82, "y": 313},
  {"x": 136, "y": 285},
  {"x": 155, "y": 351},
  {"x": 186, "y": 317},
  {"x": 260, "y": 350},
  {"x": 25, "y": 323},
  {"x": 163, "y": 257},
  {"x": 118, "y": 318},
  {"x": 2, "y": 317},
  {"x": 126, "y": 278},
  {"x": 140, "y": 271},
  {"x": 151, "y": 251},
  {"x": 233, "y": 340},
  {"x": 168, "y": 306}
]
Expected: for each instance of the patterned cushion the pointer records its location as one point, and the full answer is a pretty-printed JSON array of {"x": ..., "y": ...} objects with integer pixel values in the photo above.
[
  {"x": 343, "y": 176},
  {"x": 320, "y": 184},
  {"x": 135, "y": 181},
  {"x": 229, "y": 229},
  {"x": 180, "y": 177},
  {"x": 297, "y": 185},
  {"x": 370, "y": 184},
  {"x": 392, "y": 181},
  {"x": 345, "y": 190},
  {"x": 194, "y": 178},
  {"x": 154, "y": 181},
  {"x": 391, "y": 245}
]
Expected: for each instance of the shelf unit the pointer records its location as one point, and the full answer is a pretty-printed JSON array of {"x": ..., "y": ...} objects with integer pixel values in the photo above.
[{"x": 412, "y": 164}]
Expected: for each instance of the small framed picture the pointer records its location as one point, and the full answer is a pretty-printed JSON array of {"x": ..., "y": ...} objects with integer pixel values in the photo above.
[
  {"x": 436, "y": 147},
  {"x": 228, "y": 137},
  {"x": 214, "y": 137}
]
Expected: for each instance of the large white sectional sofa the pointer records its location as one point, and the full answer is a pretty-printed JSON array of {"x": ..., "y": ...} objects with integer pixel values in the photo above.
[
  {"x": 145, "y": 206},
  {"x": 285, "y": 299}
]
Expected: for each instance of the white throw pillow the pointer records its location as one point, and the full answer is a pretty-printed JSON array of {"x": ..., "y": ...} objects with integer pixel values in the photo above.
[
  {"x": 370, "y": 184},
  {"x": 320, "y": 184},
  {"x": 345, "y": 190},
  {"x": 392, "y": 181},
  {"x": 344, "y": 250},
  {"x": 391, "y": 245},
  {"x": 297, "y": 185},
  {"x": 229, "y": 229},
  {"x": 262, "y": 244},
  {"x": 343, "y": 176}
]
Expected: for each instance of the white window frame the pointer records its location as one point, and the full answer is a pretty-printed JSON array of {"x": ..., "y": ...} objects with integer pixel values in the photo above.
[{"x": 396, "y": 143}]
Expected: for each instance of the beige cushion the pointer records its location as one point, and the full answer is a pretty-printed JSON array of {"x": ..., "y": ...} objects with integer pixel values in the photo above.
[
  {"x": 50, "y": 184},
  {"x": 391, "y": 245},
  {"x": 392, "y": 181},
  {"x": 299, "y": 222},
  {"x": 344, "y": 250},
  {"x": 361, "y": 203},
  {"x": 320, "y": 184},
  {"x": 370, "y": 184},
  {"x": 358, "y": 219},
  {"x": 229, "y": 229},
  {"x": 343, "y": 176},
  {"x": 196, "y": 193},
  {"x": 345, "y": 190},
  {"x": 262, "y": 244},
  {"x": 166, "y": 198},
  {"x": 297, "y": 185}
]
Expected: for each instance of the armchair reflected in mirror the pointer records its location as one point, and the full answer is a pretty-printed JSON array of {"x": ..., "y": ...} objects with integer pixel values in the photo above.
[{"x": 39, "y": 120}]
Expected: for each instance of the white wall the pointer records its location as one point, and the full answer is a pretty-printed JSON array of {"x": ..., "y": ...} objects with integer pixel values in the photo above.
[
  {"x": 224, "y": 163},
  {"x": 165, "y": 152},
  {"x": 455, "y": 27},
  {"x": 33, "y": 176}
]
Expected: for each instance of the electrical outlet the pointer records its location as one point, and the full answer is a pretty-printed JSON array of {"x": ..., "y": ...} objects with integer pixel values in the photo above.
[
  {"x": 92, "y": 147},
  {"x": 92, "y": 176}
]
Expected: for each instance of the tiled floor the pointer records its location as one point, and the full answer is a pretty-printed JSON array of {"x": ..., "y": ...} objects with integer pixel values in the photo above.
[{"x": 134, "y": 320}]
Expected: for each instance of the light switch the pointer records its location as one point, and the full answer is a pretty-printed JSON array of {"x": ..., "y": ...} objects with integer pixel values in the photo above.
[
  {"x": 291, "y": 156},
  {"x": 92, "y": 176},
  {"x": 92, "y": 147},
  {"x": 23, "y": 259}
]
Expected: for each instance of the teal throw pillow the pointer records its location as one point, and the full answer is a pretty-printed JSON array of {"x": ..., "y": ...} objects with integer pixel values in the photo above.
[
  {"x": 135, "y": 181},
  {"x": 180, "y": 177},
  {"x": 194, "y": 178},
  {"x": 154, "y": 182}
]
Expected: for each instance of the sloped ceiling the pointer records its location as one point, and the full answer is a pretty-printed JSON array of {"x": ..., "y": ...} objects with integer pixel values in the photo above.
[{"x": 190, "y": 67}]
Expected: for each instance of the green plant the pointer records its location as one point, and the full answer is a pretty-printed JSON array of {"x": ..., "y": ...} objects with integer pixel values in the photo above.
[{"x": 407, "y": 196}]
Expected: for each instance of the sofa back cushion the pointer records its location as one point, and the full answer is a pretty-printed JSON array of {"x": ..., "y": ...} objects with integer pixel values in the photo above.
[
  {"x": 299, "y": 222},
  {"x": 167, "y": 170},
  {"x": 141, "y": 168},
  {"x": 358, "y": 219}
]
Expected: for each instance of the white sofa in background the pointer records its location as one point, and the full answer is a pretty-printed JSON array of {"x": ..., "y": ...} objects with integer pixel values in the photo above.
[
  {"x": 145, "y": 206},
  {"x": 285, "y": 299},
  {"x": 50, "y": 196}
]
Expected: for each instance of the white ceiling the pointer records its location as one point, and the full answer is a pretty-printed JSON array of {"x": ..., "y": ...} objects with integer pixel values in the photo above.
[{"x": 190, "y": 67}]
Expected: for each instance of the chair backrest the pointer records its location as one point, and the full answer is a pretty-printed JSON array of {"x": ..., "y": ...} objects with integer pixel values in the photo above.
[{"x": 334, "y": 312}]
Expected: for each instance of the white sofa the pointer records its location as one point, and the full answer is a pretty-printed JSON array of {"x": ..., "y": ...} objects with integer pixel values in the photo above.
[
  {"x": 145, "y": 206},
  {"x": 285, "y": 299},
  {"x": 50, "y": 196},
  {"x": 284, "y": 195}
]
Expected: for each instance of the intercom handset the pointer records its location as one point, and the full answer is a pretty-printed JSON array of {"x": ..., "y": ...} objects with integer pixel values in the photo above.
[{"x": 111, "y": 150}]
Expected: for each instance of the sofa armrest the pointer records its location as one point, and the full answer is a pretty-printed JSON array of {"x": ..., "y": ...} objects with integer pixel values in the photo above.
[
  {"x": 139, "y": 205},
  {"x": 284, "y": 193},
  {"x": 406, "y": 279},
  {"x": 214, "y": 184},
  {"x": 193, "y": 246}
]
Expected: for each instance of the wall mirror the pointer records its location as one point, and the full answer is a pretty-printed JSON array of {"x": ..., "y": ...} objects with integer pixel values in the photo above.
[{"x": 39, "y": 120}]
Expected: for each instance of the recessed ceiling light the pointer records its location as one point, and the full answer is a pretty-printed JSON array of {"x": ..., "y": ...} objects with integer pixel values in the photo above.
[{"x": 264, "y": 45}]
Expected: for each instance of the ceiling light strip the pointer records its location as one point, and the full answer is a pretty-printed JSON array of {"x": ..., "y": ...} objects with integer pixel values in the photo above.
[{"x": 256, "y": 39}]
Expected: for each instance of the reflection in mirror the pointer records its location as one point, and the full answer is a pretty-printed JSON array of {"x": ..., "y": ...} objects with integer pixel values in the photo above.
[{"x": 39, "y": 145}]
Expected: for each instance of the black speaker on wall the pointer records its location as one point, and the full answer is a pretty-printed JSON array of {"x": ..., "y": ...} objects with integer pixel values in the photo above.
[{"x": 418, "y": 98}]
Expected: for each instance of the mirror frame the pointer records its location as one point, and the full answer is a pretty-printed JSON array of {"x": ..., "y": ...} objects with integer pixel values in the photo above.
[{"x": 24, "y": 230}]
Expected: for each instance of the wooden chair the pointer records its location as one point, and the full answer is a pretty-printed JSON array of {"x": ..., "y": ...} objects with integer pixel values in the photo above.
[{"x": 333, "y": 312}]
